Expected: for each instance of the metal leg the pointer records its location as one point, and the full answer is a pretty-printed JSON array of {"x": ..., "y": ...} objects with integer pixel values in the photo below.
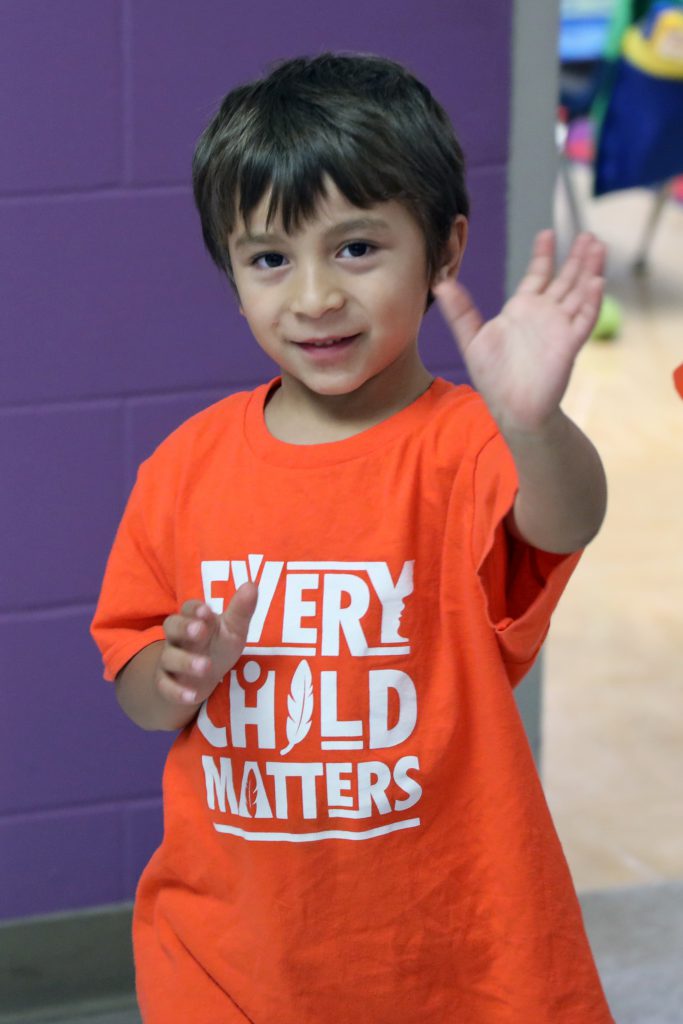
[
  {"x": 640, "y": 263},
  {"x": 564, "y": 170}
]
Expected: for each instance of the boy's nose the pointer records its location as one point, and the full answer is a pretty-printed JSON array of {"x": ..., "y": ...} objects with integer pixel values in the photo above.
[{"x": 315, "y": 292}]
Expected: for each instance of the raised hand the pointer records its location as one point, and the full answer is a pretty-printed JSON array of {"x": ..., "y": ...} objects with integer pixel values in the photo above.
[
  {"x": 202, "y": 646},
  {"x": 521, "y": 361}
]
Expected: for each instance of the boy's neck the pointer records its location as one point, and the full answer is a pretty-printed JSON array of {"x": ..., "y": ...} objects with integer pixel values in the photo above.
[{"x": 297, "y": 415}]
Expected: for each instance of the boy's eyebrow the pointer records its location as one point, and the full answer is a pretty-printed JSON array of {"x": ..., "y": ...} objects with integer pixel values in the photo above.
[
  {"x": 264, "y": 239},
  {"x": 344, "y": 226},
  {"x": 358, "y": 224}
]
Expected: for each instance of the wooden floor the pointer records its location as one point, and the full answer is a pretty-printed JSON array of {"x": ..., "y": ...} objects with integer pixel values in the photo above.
[{"x": 613, "y": 715}]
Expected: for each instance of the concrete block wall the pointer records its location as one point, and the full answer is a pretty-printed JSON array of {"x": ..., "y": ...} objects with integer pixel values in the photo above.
[{"x": 115, "y": 327}]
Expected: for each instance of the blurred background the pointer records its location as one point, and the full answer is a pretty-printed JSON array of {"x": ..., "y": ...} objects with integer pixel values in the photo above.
[
  {"x": 613, "y": 722},
  {"x": 116, "y": 327}
]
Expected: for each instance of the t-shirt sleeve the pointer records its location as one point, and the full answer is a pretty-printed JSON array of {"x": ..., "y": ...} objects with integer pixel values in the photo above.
[
  {"x": 137, "y": 594},
  {"x": 521, "y": 585}
]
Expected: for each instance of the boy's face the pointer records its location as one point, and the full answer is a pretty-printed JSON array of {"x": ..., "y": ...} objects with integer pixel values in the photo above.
[{"x": 339, "y": 302}]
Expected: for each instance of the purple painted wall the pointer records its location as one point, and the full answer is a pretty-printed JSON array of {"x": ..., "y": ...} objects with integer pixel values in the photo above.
[{"x": 116, "y": 327}]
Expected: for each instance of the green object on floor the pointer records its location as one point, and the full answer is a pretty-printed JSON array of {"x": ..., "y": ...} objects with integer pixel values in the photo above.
[{"x": 609, "y": 320}]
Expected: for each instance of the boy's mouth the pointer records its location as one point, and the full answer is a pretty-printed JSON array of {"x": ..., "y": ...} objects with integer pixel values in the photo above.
[{"x": 328, "y": 342}]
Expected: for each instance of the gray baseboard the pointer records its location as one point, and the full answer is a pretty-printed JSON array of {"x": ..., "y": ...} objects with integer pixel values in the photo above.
[{"x": 61, "y": 958}]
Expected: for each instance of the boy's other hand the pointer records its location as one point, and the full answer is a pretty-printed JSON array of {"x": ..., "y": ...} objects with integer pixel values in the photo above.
[
  {"x": 521, "y": 360},
  {"x": 201, "y": 646}
]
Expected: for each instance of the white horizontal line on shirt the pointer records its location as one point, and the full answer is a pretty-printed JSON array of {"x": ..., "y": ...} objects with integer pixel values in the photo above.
[
  {"x": 299, "y": 651},
  {"x": 314, "y": 837},
  {"x": 369, "y": 652},
  {"x": 328, "y": 566},
  {"x": 341, "y": 744}
]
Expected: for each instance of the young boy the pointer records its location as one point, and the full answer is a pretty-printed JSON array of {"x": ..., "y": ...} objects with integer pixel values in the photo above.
[{"x": 331, "y": 584}]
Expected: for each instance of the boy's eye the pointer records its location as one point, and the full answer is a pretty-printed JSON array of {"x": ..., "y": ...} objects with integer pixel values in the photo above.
[
  {"x": 356, "y": 249},
  {"x": 268, "y": 260}
]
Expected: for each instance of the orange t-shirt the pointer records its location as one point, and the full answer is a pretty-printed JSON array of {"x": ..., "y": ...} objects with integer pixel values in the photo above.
[{"x": 355, "y": 832}]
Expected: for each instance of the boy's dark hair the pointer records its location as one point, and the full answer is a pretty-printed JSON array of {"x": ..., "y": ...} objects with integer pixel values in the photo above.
[{"x": 365, "y": 121}]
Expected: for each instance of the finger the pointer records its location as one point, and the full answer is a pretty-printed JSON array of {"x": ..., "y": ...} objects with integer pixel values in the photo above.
[
  {"x": 596, "y": 258},
  {"x": 237, "y": 615},
  {"x": 580, "y": 293},
  {"x": 584, "y": 261},
  {"x": 581, "y": 244},
  {"x": 572, "y": 303},
  {"x": 185, "y": 666},
  {"x": 189, "y": 631},
  {"x": 571, "y": 270},
  {"x": 190, "y": 608},
  {"x": 176, "y": 691},
  {"x": 541, "y": 265},
  {"x": 459, "y": 312},
  {"x": 198, "y": 610},
  {"x": 234, "y": 626},
  {"x": 586, "y": 317},
  {"x": 592, "y": 261},
  {"x": 566, "y": 280}
]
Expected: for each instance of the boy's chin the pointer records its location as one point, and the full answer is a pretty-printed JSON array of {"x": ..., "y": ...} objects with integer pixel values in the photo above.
[{"x": 331, "y": 389}]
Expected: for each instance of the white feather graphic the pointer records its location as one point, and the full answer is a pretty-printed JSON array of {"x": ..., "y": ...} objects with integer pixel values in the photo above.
[
  {"x": 299, "y": 706},
  {"x": 253, "y": 799},
  {"x": 252, "y": 796}
]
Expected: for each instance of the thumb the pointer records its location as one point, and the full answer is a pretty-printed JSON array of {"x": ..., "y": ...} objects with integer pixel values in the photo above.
[
  {"x": 459, "y": 311},
  {"x": 237, "y": 616}
]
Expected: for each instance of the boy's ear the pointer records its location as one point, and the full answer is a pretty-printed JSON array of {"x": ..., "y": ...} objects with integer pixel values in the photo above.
[{"x": 455, "y": 250}]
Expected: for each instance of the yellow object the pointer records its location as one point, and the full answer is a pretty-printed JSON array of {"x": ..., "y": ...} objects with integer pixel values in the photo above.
[{"x": 661, "y": 54}]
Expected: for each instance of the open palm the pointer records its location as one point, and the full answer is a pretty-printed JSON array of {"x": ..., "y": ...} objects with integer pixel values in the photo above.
[{"x": 522, "y": 359}]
